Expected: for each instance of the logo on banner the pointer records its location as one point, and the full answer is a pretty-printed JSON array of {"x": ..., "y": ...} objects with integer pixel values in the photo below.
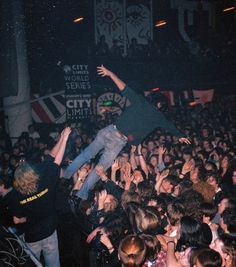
[
  {"x": 78, "y": 106},
  {"x": 76, "y": 77},
  {"x": 119, "y": 102}
]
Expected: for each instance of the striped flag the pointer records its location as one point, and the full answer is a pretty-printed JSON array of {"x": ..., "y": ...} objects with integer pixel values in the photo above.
[{"x": 49, "y": 109}]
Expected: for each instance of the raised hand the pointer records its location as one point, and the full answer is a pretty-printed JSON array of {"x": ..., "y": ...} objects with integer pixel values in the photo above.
[
  {"x": 115, "y": 166},
  {"x": 164, "y": 173},
  {"x": 184, "y": 140},
  {"x": 133, "y": 148},
  {"x": 187, "y": 167},
  {"x": 101, "y": 197},
  {"x": 102, "y": 71},
  {"x": 66, "y": 132},
  {"x": 101, "y": 172},
  {"x": 161, "y": 150},
  {"x": 139, "y": 149}
]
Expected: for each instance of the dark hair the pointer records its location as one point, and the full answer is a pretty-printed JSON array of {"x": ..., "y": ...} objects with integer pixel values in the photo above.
[
  {"x": 229, "y": 242},
  {"x": 191, "y": 234},
  {"x": 145, "y": 189},
  {"x": 208, "y": 209},
  {"x": 192, "y": 201},
  {"x": 175, "y": 211},
  {"x": 153, "y": 246},
  {"x": 229, "y": 218},
  {"x": 6, "y": 180},
  {"x": 207, "y": 257},
  {"x": 214, "y": 175}
]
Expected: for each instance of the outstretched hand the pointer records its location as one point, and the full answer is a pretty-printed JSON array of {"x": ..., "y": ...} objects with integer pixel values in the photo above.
[
  {"x": 66, "y": 132},
  {"x": 102, "y": 71},
  {"x": 184, "y": 140}
]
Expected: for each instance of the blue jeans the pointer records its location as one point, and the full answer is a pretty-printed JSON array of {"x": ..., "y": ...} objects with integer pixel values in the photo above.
[
  {"x": 111, "y": 142},
  {"x": 49, "y": 247}
]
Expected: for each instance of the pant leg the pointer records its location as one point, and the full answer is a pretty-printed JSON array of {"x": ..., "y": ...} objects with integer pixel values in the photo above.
[
  {"x": 51, "y": 251},
  {"x": 113, "y": 146},
  {"x": 85, "y": 155},
  {"x": 36, "y": 248}
]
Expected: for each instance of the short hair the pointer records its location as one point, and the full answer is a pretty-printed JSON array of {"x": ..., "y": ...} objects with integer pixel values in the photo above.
[
  {"x": 129, "y": 196},
  {"x": 26, "y": 179},
  {"x": 175, "y": 211},
  {"x": 214, "y": 175},
  {"x": 145, "y": 189},
  {"x": 229, "y": 218},
  {"x": 132, "y": 251},
  {"x": 208, "y": 209},
  {"x": 207, "y": 257}
]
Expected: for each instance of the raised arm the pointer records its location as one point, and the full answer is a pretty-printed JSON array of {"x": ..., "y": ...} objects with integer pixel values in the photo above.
[
  {"x": 62, "y": 145},
  {"x": 142, "y": 161},
  {"x": 102, "y": 71}
]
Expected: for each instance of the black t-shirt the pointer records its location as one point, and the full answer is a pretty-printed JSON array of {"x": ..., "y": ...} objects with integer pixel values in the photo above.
[
  {"x": 141, "y": 118},
  {"x": 39, "y": 208}
]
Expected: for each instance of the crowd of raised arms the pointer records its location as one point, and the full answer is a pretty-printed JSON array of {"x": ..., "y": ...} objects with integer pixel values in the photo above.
[{"x": 161, "y": 203}]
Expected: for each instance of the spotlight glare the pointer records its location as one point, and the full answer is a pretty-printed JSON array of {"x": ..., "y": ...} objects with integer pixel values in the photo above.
[
  {"x": 160, "y": 23},
  {"x": 229, "y": 9},
  {"x": 78, "y": 19}
]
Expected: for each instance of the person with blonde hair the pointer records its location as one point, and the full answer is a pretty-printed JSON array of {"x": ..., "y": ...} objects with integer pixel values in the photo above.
[{"x": 32, "y": 201}]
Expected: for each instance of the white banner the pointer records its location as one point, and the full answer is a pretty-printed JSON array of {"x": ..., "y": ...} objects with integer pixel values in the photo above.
[
  {"x": 109, "y": 21},
  {"x": 139, "y": 24}
]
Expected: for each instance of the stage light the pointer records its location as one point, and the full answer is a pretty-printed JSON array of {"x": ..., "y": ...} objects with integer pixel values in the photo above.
[
  {"x": 160, "y": 23},
  {"x": 192, "y": 104},
  {"x": 155, "y": 89},
  {"x": 78, "y": 19},
  {"x": 229, "y": 9}
]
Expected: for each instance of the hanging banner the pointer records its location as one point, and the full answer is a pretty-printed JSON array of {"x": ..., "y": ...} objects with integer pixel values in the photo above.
[
  {"x": 78, "y": 95},
  {"x": 109, "y": 21},
  {"x": 139, "y": 23},
  {"x": 79, "y": 106}
]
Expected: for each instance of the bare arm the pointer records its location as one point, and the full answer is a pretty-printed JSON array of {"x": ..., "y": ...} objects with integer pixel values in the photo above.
[
  {"x": 171, "y": 259},
  {"x": 61, "y": 150},
  {"x": 142, "y": 160},
  {"x": 55, "y": 149},
  {"x": 132, "y": 158},
  {"x": 102, "y": 71}
]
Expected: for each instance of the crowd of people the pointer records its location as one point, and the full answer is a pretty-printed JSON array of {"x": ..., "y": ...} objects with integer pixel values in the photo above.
[{"x": 157, "y": 202}]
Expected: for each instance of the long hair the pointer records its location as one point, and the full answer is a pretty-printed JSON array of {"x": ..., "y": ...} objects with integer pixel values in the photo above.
[
  {"x": 132, "y": 251},
  {"x": 26, "y": 179}
]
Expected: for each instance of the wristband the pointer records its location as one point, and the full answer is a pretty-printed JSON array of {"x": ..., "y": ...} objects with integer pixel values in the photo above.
[
  {"x": 139, "y": 154},
  {"x": 171, "y": 241}
]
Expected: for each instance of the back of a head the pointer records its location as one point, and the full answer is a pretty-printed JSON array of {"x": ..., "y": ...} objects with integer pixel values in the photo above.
[
  {"x": 207, "y": 257},
  {"x": 26, "y": 179},
  {"x": 147, "y": 220},
  {"x": 132, "y": 251}
]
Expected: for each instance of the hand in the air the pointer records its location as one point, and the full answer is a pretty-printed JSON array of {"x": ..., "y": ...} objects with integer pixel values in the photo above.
[
  {"x": 102, "y": 71},
  {"x": 184, "y": 140}
]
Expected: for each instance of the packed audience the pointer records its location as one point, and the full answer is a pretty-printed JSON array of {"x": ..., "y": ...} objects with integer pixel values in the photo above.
[{"x": 161, "y": 203}]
